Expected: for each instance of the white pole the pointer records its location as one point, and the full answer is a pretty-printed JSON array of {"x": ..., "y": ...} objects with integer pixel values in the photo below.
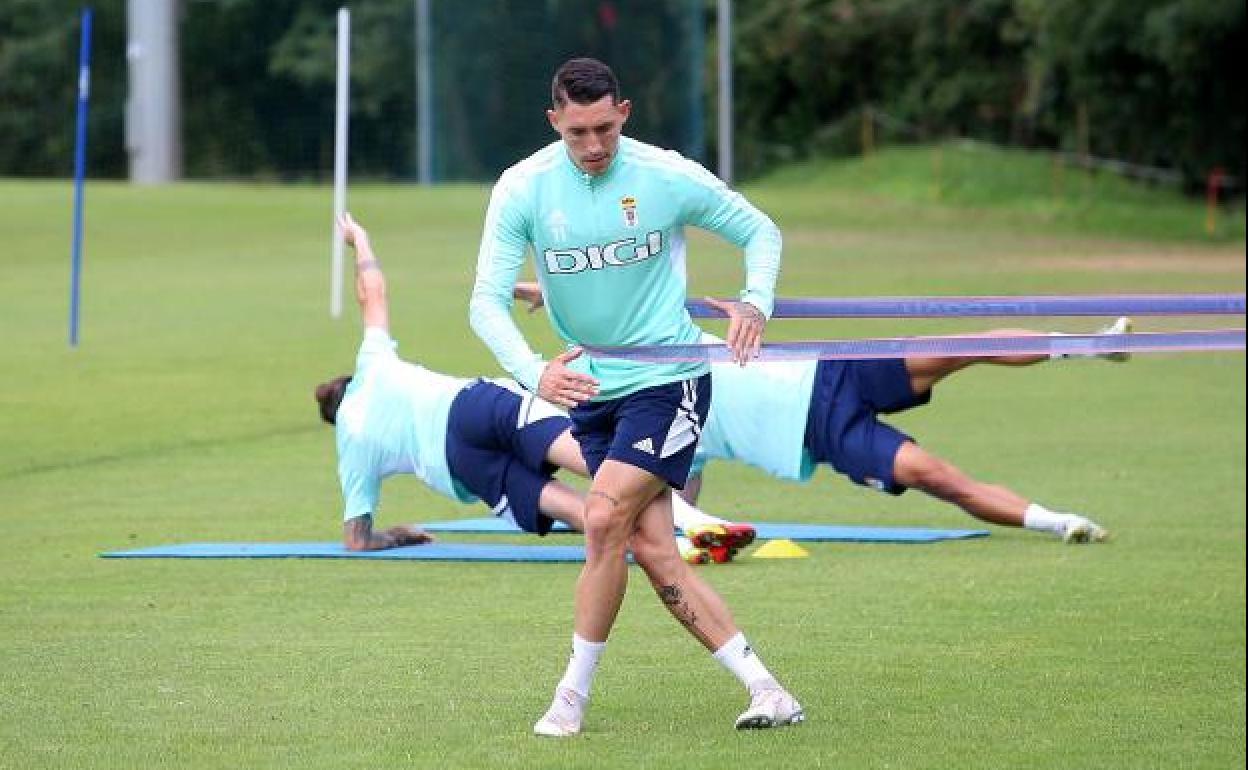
[
  {"x": 724, "y": 17},
  {"x": 424, "y": 95},
  {"x": 153, "y": 119},
  {"x": 340, "y": 158}
]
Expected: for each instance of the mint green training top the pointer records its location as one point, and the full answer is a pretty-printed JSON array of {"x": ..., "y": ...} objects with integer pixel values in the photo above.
[
  {"x": 393, "y": 419},
  {"x": 609, "y": 252},
  {"x": 758, "y": 416}
]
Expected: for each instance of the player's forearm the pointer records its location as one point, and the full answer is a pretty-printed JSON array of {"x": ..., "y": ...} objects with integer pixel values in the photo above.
[
  {"x": 762, "y": 267},
  {"x": 499, "y": 259},
  {"x": 738, "y": 221},
  {"x": 490, "y": 317},
  {"x": 370, "y": 286},
  {"x": 370, "y": 283}
]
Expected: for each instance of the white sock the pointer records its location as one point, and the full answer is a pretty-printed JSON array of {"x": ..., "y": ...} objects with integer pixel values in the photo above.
[
  {"x": 738, "y": 657},
  {"x": 582, "y": 665},
  {"x": 688, "y": 517},
  {"x": 1041, "y": 519},
  {"x": 1120, "y": 326}
]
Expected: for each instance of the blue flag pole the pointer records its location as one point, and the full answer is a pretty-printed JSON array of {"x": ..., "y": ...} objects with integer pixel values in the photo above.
[{"x": 80, "y": 162}]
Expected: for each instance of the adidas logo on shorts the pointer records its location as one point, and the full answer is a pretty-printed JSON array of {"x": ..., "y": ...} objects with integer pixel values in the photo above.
[{"x": 645, "y": 445}]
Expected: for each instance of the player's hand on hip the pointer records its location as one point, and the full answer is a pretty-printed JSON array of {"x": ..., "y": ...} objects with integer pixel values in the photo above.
[
  {"x": 745, "y": 328},
  {"x": 563, "y": 387}
]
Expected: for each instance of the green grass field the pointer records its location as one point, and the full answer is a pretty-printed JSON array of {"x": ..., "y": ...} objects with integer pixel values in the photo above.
[{"x": 186, "y": 415}]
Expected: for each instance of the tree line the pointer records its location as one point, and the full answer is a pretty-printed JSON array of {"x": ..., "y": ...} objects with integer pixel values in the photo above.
[{"x": 1150, "y": 82}]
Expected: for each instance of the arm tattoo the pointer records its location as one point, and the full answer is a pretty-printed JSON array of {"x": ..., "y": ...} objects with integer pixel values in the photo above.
[
  {"x": 365, "y": 265},
  {"x": 614, "y": 502},
  {"x": 678, "y": 606}
]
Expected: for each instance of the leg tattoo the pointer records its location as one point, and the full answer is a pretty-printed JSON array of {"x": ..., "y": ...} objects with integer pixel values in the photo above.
[{"x": 678, "y": 606}]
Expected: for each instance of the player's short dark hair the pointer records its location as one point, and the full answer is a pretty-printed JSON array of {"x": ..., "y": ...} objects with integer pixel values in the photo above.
[
  {"x": 329, "y": 397},
  {"x": 583, "y": 81}
]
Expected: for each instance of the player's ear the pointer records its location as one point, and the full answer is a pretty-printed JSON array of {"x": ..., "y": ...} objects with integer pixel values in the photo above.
[
  {"x": 625, "y": 108},
  {"x": 553, "y": 117}
]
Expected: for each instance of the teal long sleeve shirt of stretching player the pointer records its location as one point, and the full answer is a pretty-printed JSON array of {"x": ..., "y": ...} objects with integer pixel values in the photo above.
[{"x": 609, "y": 253}]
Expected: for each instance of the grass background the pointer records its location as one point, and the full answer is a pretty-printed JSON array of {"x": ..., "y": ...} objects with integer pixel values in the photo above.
[{"x": 186, "y": 415}]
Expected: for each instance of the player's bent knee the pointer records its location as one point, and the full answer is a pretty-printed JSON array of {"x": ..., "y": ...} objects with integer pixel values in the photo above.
[
  {"x": 604, "y": 525},
  {"x": 661, "y": 565},
  {"x": 654, "y": 550},
  {"x": 910, "y": 465}
]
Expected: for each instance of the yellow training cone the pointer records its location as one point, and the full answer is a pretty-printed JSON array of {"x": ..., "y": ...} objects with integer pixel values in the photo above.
[{"x": 780, "y": 549}]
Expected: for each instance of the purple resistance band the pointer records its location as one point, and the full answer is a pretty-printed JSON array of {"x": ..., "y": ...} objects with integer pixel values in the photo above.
[
  {"x": 983, "y": 307},
  {"x": 954, "y": 347}
]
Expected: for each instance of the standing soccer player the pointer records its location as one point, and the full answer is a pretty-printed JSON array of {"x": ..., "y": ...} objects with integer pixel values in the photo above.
[
  {"x": 604, "y": 215},
  {"x": 469, "y": 439}
]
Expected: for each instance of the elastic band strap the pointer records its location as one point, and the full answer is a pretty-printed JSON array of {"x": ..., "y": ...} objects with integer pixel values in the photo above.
[
  {"x": 981, "y": 307},
  {"x": 954, "y": 347}
]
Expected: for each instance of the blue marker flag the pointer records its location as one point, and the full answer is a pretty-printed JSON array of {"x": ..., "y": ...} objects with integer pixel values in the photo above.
[{"x": 80, "y": 162}]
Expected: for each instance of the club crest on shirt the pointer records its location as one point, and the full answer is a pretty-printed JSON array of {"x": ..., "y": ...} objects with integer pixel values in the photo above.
[
  {"x": 628, "y": 204},
  {"x": 557, "y": 224}
]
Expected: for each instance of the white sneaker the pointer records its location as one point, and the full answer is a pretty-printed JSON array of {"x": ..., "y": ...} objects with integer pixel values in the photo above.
[
  {"x": 563, "y": 718},
  {"x": 1081, "y": 530},
  {"x": 771, "y": 707},
  {"x": 1123, "y": 325}
]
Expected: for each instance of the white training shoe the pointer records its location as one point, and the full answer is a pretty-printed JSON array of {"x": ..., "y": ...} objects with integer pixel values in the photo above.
[
  {"x": 1081, "y": 530},
  {"x": 1123, "y": 325},
  {"x": 771, "y": 707},
  {"x": 563, "y": 718}
]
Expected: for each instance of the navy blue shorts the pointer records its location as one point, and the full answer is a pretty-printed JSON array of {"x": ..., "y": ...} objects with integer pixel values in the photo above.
[
  {"x": 842, "y": 428},
  {"x": 496, "y": 444},
  {"x": 655, "y": 429}
]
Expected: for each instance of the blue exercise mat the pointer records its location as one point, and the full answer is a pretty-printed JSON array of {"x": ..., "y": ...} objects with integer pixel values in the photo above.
[
  {"x": 765, "y": 531},
  {"x": 427, "y": 552}
]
